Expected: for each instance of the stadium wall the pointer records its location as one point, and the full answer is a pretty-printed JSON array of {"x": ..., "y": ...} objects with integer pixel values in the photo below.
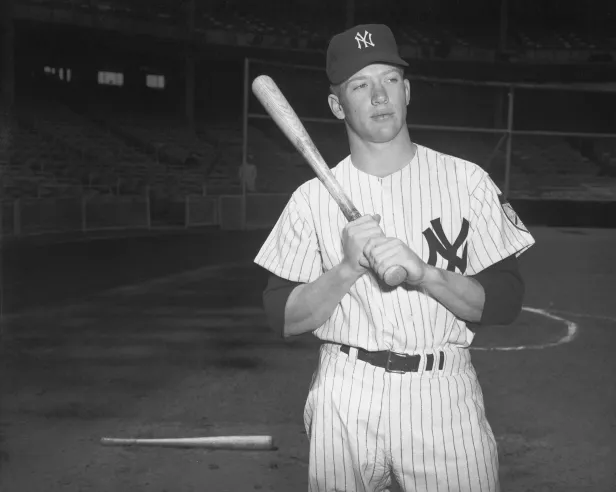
[
  {"x": 219, "y": 83},
  {"x": 219, "y": 97},
  {"x": 25, "y": 218}
]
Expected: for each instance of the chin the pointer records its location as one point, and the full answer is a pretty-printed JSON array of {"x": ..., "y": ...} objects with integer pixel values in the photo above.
[{"x": 384, "y": 135}]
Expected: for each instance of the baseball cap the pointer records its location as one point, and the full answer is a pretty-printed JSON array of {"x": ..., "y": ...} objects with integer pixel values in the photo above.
[{"x": 358, "y": 47}]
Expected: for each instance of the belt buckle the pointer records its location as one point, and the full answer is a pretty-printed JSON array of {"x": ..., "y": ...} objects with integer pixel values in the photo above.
[{"x": 388, "y": 364}]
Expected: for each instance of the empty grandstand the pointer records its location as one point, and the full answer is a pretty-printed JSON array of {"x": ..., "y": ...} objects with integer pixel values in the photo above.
[{"x": 157, "y": 107}]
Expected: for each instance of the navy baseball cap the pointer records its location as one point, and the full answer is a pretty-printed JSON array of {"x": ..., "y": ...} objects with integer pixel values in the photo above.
[{"x": 358, "y": 47}]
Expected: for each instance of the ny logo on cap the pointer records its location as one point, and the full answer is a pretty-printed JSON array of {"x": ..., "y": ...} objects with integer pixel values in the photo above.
[{"x": 366, "y": 39}]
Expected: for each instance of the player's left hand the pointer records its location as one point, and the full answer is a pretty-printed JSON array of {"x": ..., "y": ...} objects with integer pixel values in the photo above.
[{"x": 381, "y": 253}]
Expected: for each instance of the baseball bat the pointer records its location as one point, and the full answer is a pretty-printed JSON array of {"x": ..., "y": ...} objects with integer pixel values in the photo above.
[
  {"x": 277, "y": 106},
  {"x": 243, "y": 443}
]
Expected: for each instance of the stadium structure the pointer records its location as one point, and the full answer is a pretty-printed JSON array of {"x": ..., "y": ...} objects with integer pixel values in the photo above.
[{"x": 138, "y": 114}]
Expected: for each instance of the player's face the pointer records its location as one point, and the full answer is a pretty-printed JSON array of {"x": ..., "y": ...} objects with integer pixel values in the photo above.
[{"x": 373, "y": 103}]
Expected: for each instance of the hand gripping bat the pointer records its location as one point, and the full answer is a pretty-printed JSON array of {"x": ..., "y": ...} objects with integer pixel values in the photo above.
[{"x": 277, "y": 106}]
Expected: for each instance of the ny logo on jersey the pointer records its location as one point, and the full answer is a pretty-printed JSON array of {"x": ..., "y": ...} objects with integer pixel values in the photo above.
[
  {"x": 439, "y": 244},
  {"x": 366, "y": 39}
]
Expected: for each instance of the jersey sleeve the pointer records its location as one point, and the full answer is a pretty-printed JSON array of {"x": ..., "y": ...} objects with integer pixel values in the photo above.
[
  {"x": 496, "y": 231},
  {"x": 291, "y": 250}
]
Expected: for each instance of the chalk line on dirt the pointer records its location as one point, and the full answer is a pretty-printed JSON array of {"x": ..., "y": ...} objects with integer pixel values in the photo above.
[
  {"x": 204, "y": 272},
  {"x": 572, "y": 332},
  {"x": 585, "y": 315}
]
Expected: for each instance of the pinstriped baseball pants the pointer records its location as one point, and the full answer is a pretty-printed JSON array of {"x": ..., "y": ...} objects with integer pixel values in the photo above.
[{"x": 425, "y": 431}]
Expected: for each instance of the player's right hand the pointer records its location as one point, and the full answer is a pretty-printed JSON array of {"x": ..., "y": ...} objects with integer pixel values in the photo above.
[{"x": 355, "y": 235}]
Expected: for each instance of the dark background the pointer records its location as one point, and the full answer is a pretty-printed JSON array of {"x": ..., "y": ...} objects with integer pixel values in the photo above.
[{"x": 91, "y": 36}]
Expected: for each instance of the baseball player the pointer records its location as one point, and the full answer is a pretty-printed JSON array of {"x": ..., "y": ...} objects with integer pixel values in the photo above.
[{"x": 395, "y": 398}]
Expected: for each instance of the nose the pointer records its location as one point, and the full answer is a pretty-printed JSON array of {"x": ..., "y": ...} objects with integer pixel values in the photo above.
[{"x": 379, "y": 95}]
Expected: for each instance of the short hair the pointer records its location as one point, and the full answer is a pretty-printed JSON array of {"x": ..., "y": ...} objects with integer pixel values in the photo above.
[{"x": 335, "y": 89}]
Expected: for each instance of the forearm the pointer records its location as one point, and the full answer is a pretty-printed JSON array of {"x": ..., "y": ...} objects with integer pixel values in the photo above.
[
  {"x": 463, "y": 296},
  {"x": 310, "y": 305}
]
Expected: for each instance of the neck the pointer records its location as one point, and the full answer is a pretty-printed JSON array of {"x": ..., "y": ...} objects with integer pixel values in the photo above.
[{"x": 382, "y": 159}]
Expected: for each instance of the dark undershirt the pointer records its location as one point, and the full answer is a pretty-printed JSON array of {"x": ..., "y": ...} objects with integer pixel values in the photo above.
[{"x": 502, "y": 283}]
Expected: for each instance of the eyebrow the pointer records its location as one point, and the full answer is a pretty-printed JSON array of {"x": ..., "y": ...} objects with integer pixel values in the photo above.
[{"x": 364, "y": 77}]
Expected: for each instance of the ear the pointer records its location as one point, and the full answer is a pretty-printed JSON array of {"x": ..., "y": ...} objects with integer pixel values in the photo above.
[
  {"x": 335, "y": 106},
  {"x": 407, "y": 90}
]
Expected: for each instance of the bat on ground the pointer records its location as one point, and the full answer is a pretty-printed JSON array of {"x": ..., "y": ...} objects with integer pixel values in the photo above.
[
  {"x": 277, "y": 106},
  {"x": 242, "y": 443}
]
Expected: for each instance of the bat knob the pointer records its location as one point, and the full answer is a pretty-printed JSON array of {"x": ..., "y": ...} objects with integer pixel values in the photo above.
[{"x": 394, "y": 276}]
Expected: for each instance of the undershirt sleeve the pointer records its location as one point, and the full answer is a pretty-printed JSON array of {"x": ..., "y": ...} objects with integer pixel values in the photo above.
[
  {"x": 275, "y": 298},
  {"x": 504, "y": 292},
  {"x": 502, "y": 283}
]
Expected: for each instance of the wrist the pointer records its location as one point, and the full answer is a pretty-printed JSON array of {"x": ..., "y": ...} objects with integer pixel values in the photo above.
[
  {"x": 347, "y": 273},
  {"x": 432, "y": 275}
]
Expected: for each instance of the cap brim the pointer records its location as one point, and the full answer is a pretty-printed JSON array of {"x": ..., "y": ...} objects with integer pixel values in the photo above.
[{"x": 386, "y": 58}]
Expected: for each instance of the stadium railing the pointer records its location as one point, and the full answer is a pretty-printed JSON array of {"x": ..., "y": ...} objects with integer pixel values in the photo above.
[
  {"x": 24, "y": 217},
  {"x": 530, "y": 153},
  {"x": 528, "y": 136}
]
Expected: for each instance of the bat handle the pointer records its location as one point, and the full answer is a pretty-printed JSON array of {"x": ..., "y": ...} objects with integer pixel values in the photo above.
[{"x": 394, "y": 275}]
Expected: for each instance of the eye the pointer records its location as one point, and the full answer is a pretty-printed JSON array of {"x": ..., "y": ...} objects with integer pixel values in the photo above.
[
  {"x": 394, "y": 79},
  {"x": 360, "y": 86}
]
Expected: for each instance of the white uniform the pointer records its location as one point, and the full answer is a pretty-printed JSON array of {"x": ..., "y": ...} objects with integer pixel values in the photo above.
[{"x": 428, "y": 428}]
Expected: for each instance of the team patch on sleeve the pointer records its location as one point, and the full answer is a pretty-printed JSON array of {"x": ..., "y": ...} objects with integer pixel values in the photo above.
[{"x": 511, "y": 214}]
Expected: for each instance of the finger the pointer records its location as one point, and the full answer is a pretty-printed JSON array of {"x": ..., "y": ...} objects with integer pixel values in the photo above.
[
  {"x": 363, "y": 261},
  {"x": 362, "y": 240},
  {"x": 366, "y": 218},
  {"x": 380, "y": 262},
  {"x": 383, "y": 247},
  {"x": 364, "y": 224},
  {"x": 375, "y": 217},
  {"x": 363, "y": 235},
  {"x": 386, "y": 260},
  {"x": 382, "y": 241},
  {"x": 374, "y": 242},
  {"x": 385, "y": 266},
  {"x": 383, "y": 252},
  {"x": 391, "y": 249}
]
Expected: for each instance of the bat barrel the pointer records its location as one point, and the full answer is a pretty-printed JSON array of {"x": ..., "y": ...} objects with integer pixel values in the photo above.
[
  {"x": 214, "y": 442},
  {"x": 283, "y": 114}
]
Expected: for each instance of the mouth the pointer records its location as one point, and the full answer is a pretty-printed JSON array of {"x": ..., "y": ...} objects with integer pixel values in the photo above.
[{"x": 382, "y": 116}]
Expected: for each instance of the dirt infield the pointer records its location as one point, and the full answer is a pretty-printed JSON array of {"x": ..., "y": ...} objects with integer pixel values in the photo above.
[{"x": 163, "y": 336}]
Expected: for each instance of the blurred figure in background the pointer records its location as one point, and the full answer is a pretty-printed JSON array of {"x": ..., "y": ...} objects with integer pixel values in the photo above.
[{"x": 248, "y": 175}]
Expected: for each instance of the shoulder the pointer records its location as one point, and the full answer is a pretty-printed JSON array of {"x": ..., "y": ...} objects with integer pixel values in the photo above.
[
  {"x": 313, "y": 190},
  {"x": 466, "y": 173}
]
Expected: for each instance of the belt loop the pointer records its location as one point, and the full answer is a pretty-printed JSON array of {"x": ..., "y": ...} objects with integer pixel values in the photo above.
[{"x": 353, "y": 354}]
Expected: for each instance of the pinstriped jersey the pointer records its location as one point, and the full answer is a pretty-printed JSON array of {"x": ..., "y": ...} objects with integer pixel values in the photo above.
[{"x": 447, "y": 210}]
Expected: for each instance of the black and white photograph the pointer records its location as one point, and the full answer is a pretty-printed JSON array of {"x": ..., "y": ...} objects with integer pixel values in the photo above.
[{"x": 321, "y": 246}]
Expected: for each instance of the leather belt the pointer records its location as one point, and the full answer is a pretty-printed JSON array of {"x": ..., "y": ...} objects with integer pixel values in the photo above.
[{"x": 394, "y": 362}]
